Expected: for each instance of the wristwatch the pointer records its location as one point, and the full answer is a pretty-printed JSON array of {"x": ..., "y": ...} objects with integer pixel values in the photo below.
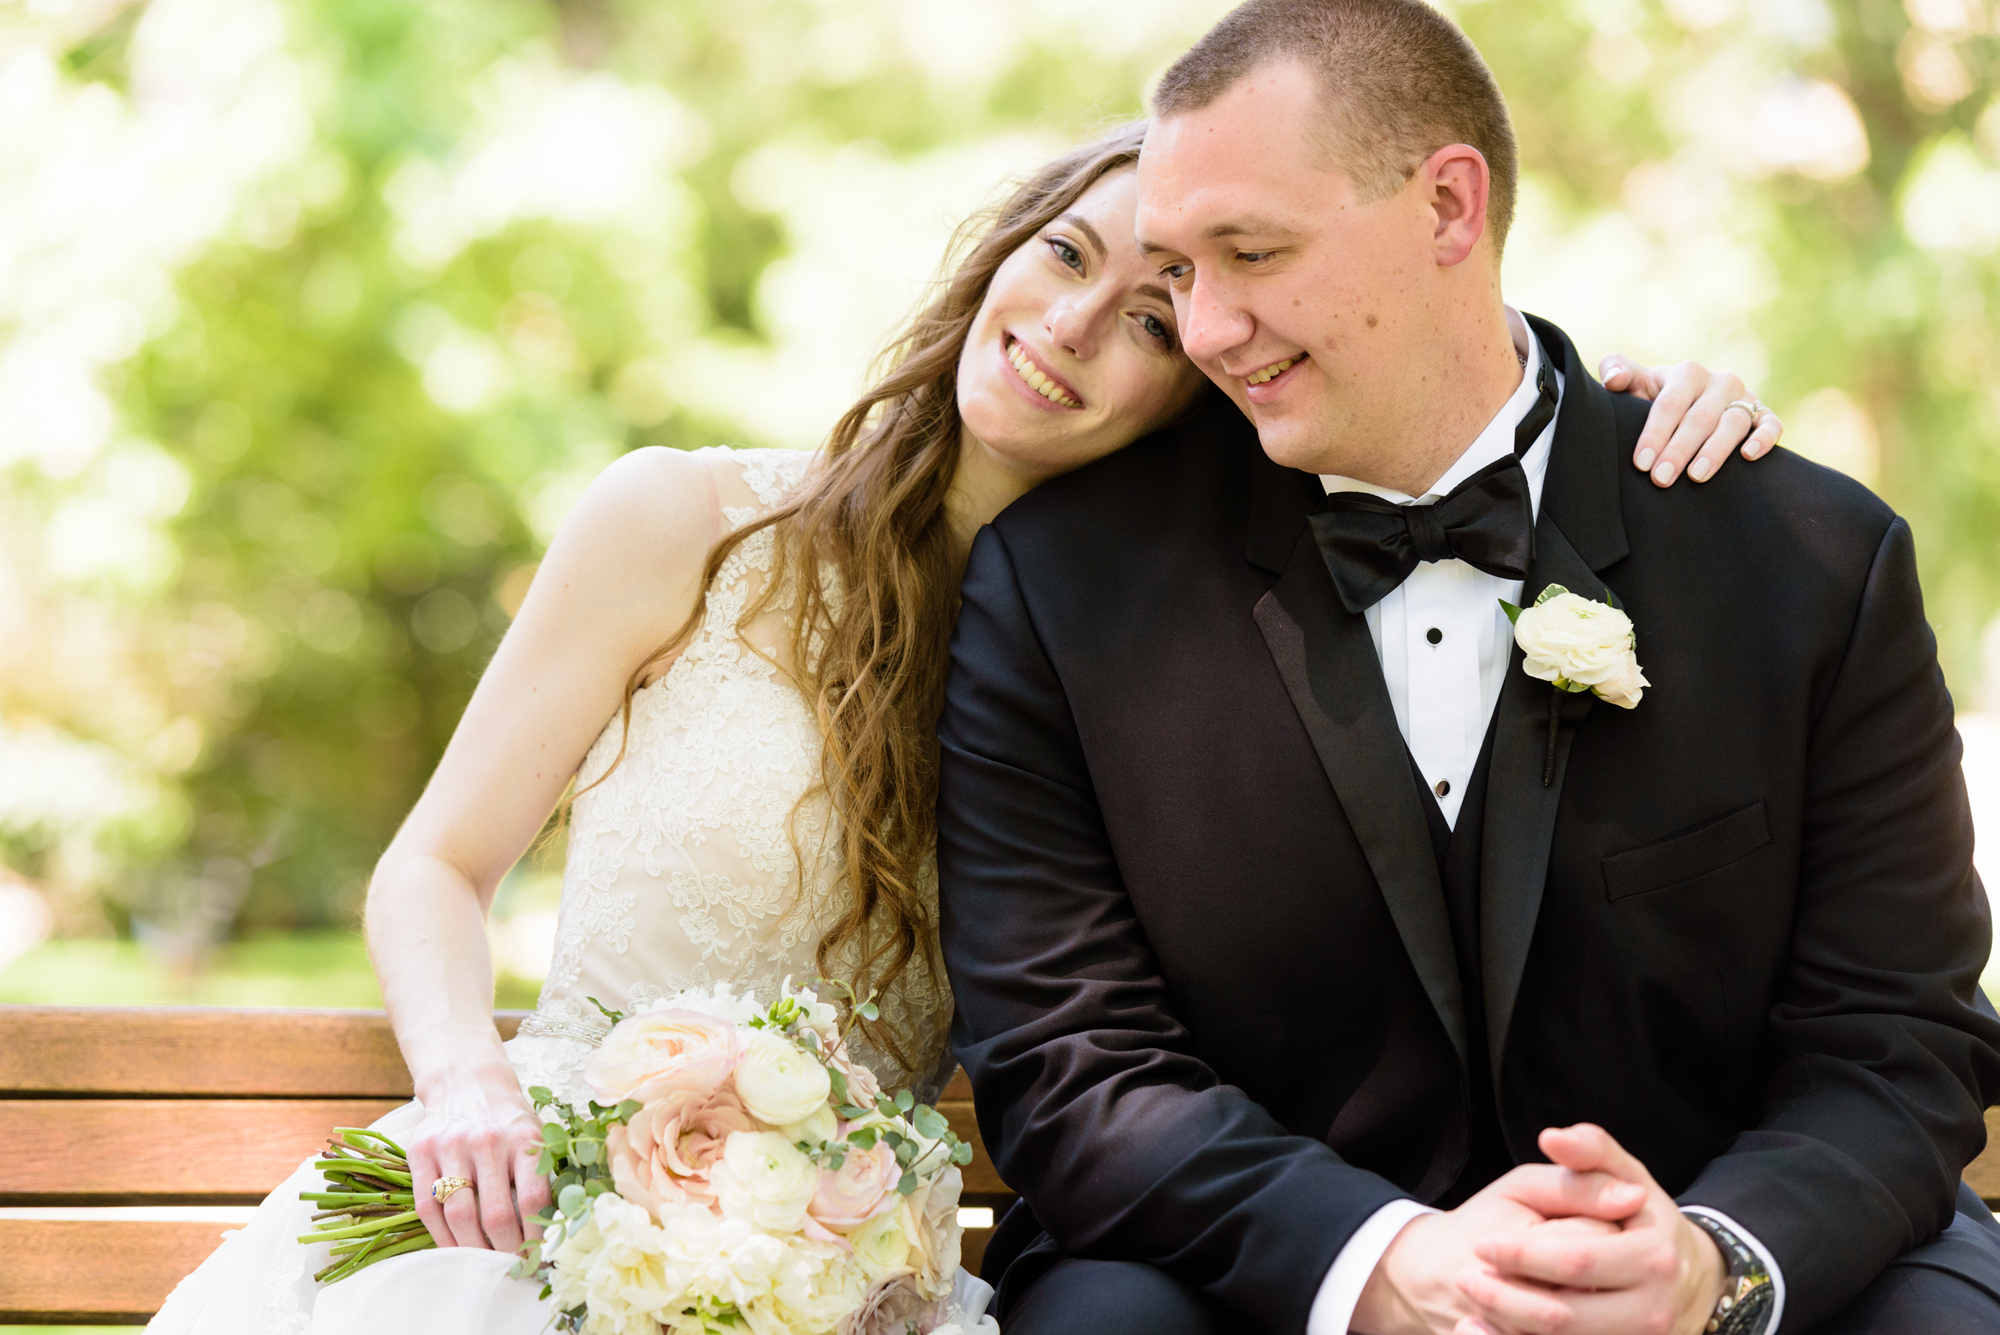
[{"x": 1747, "y": 1292}]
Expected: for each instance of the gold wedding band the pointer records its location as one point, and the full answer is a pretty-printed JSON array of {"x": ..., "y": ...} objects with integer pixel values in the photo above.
[
  {"x": 1754, "y": 409},
  {"x": 442, "y": 1188}
]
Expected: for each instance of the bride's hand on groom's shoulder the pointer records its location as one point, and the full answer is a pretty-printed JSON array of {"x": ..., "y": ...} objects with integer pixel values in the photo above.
[
  {"x": 1651, "y": 1271},
  {"x": 492, "y": 1138},
  {"x": 1691, "y": 428}
]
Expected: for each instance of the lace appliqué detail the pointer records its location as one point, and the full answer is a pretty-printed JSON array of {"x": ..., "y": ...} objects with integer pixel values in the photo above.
[
  {"x": 282, "y": 1312},
  {"x": 772, "y": 474}
]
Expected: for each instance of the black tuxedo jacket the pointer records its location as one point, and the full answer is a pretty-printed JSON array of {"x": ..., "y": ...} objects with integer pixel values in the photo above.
[{"x": 1205, "y": 979}]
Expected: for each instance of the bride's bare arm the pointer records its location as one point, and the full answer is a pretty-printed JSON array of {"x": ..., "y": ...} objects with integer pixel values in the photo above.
[{"x": 621, "y": 575}]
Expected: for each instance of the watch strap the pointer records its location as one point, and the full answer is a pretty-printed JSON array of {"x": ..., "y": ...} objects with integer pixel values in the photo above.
[{"x": 1748, "y": 1293}]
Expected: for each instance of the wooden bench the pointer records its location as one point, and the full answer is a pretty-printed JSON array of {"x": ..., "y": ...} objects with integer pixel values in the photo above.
[
  {"x": 168, "y": 1106},
  {"x": 112, "y": 1106}
]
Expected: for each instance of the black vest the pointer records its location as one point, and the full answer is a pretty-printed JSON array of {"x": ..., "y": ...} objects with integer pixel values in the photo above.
[{"x": 1457, "y": 851}]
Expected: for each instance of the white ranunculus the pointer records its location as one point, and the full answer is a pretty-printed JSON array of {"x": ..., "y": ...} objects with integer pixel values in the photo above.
[
  {"x": 780, "y": 1083},
  {"x": 1580, "y": 644},
  {"x": 882, "y": 1245},
  {"x": 765, "y": 1181},
  {"x": 822, "y": 1125}
]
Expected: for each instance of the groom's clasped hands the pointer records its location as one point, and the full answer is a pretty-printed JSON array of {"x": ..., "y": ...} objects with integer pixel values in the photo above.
[{"x": 1585, "y": 1245}]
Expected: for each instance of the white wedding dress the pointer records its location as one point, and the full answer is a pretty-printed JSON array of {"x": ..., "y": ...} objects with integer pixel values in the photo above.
[{"x": 685, "y": 868}]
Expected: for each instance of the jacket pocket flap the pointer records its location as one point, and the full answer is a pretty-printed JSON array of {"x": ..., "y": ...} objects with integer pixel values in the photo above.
[{"x": 1686, "y": 856}]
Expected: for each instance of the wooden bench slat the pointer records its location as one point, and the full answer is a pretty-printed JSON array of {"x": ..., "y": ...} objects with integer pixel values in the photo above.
[
  {"x": 194, "y": 1051},
  {"x": 1983, "y": 1173},
  {"x": 163, "y": 1151},
  {"x": 95, "y": 1273}
]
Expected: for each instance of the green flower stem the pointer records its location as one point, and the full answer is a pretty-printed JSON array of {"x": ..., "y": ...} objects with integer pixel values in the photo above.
[
  {"x": 402, "y": 1198},
  {"x": 355, "y": 1257},
  {"x": 360, "y": 1212},
  {"x": 351, "y": 1135},
  {"x": 360, "y": 1230},
  {"x": 349, "y": 1167},
  {"x": 375, "y": 1242}
]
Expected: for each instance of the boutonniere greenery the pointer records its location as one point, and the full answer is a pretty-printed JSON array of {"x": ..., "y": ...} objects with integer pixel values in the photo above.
[{"x": 1577, "y": 644}]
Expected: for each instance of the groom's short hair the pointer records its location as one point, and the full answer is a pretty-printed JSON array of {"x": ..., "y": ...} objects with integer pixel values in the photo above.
[{"x": 1399, "y": 81}]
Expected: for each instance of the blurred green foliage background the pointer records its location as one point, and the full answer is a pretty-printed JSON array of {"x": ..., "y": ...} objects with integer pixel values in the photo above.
[{"x": 316, "y": 314}]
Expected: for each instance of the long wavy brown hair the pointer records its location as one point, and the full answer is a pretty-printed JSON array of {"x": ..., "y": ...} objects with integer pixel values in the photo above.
[{"x": 872, "y": 658}]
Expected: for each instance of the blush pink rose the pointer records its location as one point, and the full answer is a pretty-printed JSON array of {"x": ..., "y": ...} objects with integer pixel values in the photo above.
[
  {"x": 647, "y": 1047},
  {"x": 864, "y": 1187},
  {"x": 664, "y": 1154},
  {"x": 893, "y": 1307}
]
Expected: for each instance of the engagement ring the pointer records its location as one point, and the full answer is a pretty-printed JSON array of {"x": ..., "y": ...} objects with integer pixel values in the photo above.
[
  {"x": 442, "y": 1188},
  {"x": 1753, "y": 407}
]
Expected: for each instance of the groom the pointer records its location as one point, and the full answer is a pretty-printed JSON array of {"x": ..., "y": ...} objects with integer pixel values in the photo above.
[{"x": 1318, "y": 968}]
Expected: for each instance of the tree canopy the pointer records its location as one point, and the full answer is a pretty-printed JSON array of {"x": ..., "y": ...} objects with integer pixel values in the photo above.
[{"x": 315, "y": 314}]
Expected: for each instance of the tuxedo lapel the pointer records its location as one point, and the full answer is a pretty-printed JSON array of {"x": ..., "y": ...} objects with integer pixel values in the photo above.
[
  {"x": 1579, "y": 532},
  {"x": 1520, "y": 811},
  {"x": 1328, "y": 662}
]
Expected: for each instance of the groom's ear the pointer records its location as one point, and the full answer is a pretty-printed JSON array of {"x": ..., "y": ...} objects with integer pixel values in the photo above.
[{"x": 1456, "y": 184}]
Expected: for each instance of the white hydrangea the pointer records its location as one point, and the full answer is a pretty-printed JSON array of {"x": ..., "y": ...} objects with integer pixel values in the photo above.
[
  {"x": 614, "y": 1263},
  {"x": 719, "y": 1001}
]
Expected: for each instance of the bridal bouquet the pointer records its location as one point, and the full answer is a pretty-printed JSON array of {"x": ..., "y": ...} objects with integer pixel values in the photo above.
[{"x": 738, "y": 1172}]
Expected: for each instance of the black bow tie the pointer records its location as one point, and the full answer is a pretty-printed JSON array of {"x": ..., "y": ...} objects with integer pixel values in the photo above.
[{"x": 1370, "y": 545}]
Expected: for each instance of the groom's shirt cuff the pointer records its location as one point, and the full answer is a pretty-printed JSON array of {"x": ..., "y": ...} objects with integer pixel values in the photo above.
[
  {"x": 1340, "y": 1291},
  {"x": 1763, "y": 1254}
]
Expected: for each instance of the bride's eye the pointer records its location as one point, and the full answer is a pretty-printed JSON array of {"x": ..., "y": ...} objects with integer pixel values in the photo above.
[
  {"x": 1159, "y": 329},
  {"x": 1066, "y": 253}
]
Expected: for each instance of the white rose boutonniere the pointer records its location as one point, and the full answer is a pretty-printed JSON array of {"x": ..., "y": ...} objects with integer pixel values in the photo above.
[{"x": 1578, "y": 644}]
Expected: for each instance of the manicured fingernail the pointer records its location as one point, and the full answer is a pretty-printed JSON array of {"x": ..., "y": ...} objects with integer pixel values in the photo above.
[
  {"x": 1700, "y": 469},
  {"x": 1645, "y": 460},
  {"x": 1664, "y": 474}
]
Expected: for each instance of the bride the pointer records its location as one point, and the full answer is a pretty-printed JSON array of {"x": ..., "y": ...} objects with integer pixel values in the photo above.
[{"x": 766, "y": 632}]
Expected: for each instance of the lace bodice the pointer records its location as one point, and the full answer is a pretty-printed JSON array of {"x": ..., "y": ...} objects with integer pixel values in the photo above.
[{"x": 705, "y": 856}]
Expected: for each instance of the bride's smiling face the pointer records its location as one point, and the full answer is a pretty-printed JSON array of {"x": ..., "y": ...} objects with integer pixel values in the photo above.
[{"x": 1074, "y": 353}]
